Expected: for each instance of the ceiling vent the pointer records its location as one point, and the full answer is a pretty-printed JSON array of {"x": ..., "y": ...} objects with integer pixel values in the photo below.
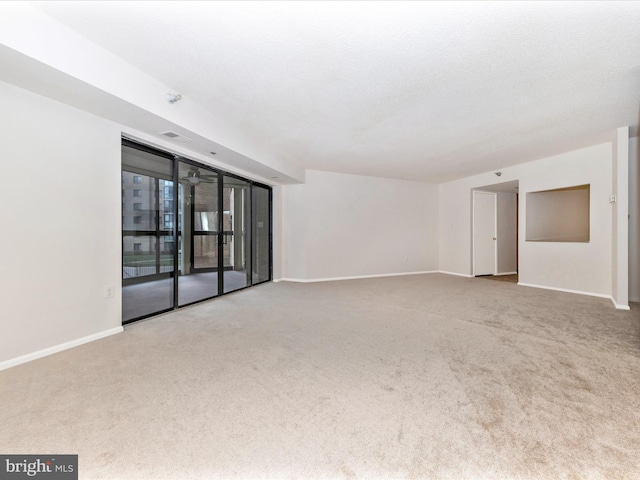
[{"x": 176, "y": 136}]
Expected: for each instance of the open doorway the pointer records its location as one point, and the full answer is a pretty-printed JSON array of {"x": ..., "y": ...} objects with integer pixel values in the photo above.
[{"x": 495, "y": 231}]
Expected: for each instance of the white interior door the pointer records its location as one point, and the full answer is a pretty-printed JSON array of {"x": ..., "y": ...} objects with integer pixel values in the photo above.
[{"x": 484, "y": 233}]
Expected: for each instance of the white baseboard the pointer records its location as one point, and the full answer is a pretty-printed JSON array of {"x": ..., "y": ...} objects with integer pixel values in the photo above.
[
  {"x": 618, "y": 306},
  {"x": 58, "y": 348},
  {"x": 506, "y": 273},
  {"x": 357, "y": 277},
  {"x": 456, "y": 274},
  {"x": 579, "y": 292}
]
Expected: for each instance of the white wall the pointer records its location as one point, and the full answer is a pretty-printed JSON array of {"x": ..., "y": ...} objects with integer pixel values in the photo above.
[
  {"x": 277, "y": 225},
  {"x": 507, "y": 232},
  {"x": 294, "y": 231},
  {"x": 60, "y": 219},
  {"x": 634, "y": 220},
  {"x": 340, "y": 225},
  {"x": 582, "y": 267}
]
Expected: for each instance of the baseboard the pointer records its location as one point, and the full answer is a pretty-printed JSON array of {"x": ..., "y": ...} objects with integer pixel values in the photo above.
[
  {"x": 579, "y": 292},
  {"x": 58, "y": 348},
  {"x": 357, "y": 277},
  {"x": 277, "y": 280},
  {"x": 618, "y": 306},
  {"x": 505, "y": 273},
  {"x": 566, "y": 290},
  {"x": 456, "y": 274}
]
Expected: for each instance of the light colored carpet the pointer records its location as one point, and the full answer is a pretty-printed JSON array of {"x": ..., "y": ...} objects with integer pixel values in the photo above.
[
  {"x": 428, "y": 376},
  {"x": 501, "y": 278}
]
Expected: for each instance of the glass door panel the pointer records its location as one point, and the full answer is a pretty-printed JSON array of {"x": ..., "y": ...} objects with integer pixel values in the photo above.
[
  {"x": 235, "y": 233},
  {"x": 199, "y": 231},
  {"x": 147, "y": 239},
  {"x": 261, "y": 235}
]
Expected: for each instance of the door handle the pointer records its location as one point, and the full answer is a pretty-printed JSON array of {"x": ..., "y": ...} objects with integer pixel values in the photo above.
[{"x": 494, "y": 238}]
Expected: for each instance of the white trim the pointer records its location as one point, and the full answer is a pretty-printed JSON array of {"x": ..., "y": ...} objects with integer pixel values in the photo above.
[
  {"x": 618, "y": 306},
  {"x": 58, "y": 348},
  {"x": 357, "y": 277},
  {"x": 579, "y": 292},
  {"x": 506, "y": 273},
  {"x": 566, "y": 290},
  {"x": 278, "y": 280},
  {"x": 456, "y": 274}
]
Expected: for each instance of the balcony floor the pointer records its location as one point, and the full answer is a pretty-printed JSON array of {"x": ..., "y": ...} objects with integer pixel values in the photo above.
[{"x": 157, "y": 295}]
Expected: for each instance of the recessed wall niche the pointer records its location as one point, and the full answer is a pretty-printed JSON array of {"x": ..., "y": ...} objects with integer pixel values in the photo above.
[{"x": 559, "y": 215}]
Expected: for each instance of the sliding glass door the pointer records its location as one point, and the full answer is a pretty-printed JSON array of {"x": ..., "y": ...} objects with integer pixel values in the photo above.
[
  {"x": 147, "y": 235},
  {"x": 189, "y": 232},
  {"x": 260, "y": 234},
  {"x": 235, "y": 229},
  {"x": 198, "y": 209}
]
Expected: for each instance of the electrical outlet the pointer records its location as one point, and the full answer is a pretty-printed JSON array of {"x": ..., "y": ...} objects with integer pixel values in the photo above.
[{"x": 109, "y": 291}]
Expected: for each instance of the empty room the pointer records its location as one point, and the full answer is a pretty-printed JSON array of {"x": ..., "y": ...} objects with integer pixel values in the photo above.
[{"x": 320, "y": 240}]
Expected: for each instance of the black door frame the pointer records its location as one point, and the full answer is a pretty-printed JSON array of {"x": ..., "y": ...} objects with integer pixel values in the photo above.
[{"x": 220, "y": 233}]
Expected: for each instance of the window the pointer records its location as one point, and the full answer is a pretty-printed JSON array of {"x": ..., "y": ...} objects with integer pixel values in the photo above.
[
  {"x": 172, "y": 241},
  {"x": 560, "y": 215}
]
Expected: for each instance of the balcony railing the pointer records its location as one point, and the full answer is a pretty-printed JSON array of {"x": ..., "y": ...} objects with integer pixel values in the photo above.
[{"x": 133, "y": 267}]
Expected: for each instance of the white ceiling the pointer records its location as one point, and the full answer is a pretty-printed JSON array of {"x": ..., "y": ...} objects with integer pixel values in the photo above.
[{"x": 419, "y": 90}]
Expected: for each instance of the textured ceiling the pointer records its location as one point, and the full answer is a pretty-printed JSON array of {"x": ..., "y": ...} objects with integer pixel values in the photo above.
[{"x": 418, "y": 90}]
